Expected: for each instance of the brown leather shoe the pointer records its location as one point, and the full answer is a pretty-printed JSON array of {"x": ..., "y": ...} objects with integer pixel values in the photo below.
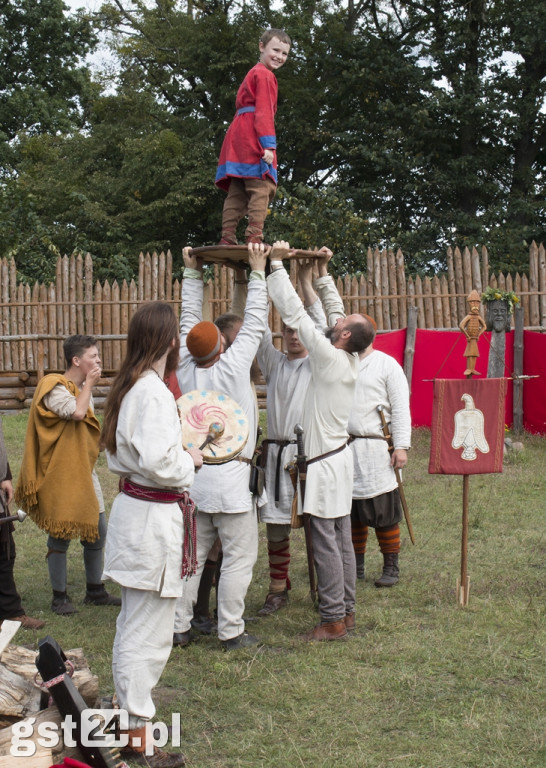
[
  {"x": 136, "y": 752},
  {"x": 273, "y": 602},
  {"x": 331, "y": 630},
  {"x": 350, "y": 622},
  {"x": 159, "y": 759},
  {"x": 27, "y": 622}
]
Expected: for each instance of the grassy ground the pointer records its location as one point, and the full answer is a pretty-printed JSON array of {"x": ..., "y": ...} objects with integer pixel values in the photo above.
[{"x": 422, "y": 684}]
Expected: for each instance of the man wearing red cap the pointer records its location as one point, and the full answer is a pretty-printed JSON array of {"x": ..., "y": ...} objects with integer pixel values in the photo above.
[{"x": 221, "y": 491}]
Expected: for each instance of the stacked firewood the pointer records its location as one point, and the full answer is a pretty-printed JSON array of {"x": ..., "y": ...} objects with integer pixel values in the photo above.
[{"x": 21, "y": 703}]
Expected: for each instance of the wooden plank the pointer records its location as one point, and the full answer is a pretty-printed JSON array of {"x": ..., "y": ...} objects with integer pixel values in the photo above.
[
  {"x": 80, "y": 317},
  {"x": 485, "y": 268},
  {"x": 525, "y": 298},
  {"x": 446, "y": 308},
  {"x": 460, "y": 291},
  {"x": 394, "y": 319},
  {"x": 169, "y": 277},
  {"x": 116, "y": 326},
  {"x": 42, "y": 758},
  {"x": 409, "y": 351},
  {"x": 534, "y": 306},
  {"x": 97, "y": 320},
  {"x": 107, "y": 326},
  {"x": 401, "y": 289},
  {"x": 18, "y": 320},
  {"x": 542, "y": 283},
  {"x": 467, "y": 272},
  {"x": 437, "y": 302},
  {"x": 51, "y": 328},
  {"x": 161, "y": 271},
  {"x": 147, "y": 287},
  {"x": 140, "y": 281},
  {"x": 8, "y": 630},
  {"x": 475, "y": 268},
  {"x": 385, "y": 314},
  {"x": 59, "y": 309},
  {"x": 429, "y": 306},
  {"x": 89, "y": 309},
  {"x": 4, "y": 279},
  {"x": 518, "y": 370},
  {"x": 154, "y": 276},
  {"x": 452, "y": 287},
  {"x": 236, "y": 254},
  {"x": 72, "y": 296}
]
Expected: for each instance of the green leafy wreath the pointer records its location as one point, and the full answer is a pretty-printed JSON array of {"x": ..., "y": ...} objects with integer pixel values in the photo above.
[{"x": 496, "y": 294}]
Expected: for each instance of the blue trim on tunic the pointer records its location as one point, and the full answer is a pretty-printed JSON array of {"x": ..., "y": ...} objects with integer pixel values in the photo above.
[
  {"x": 244, "y": 110},
  {"x": 246, "y": 170},
  {"x": 268, "y": 142}
]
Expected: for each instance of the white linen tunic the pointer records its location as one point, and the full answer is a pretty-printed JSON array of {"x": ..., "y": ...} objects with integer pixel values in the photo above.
[
  {"x": 381, "y": 381},
  {"x": 144, "y": 543},
  {"x": 287, "y": 382},
  {"x": 326, "y": 407},
  {"x": 224, "y": 487}
]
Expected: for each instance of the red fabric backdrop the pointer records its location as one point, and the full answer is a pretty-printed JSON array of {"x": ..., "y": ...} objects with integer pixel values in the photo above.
[{"x": 439, "y": 354}]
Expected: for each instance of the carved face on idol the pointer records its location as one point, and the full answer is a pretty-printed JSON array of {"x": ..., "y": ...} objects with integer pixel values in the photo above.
[{"x": 498, "y": 319}]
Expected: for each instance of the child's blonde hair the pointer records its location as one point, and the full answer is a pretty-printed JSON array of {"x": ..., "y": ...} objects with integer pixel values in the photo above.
[{"x": 269, "y": 34}]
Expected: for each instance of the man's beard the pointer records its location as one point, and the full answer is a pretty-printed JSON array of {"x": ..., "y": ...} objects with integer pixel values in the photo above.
[{"x": 331, "y": 334}]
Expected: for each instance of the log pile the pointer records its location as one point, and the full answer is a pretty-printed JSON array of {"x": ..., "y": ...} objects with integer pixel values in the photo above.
[
  {"x": 13, "y": 390},
  {"x": 20, "y": 701}
]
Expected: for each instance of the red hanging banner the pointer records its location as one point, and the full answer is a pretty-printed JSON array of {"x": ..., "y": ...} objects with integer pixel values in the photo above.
[{"x": 467, "y": 426}]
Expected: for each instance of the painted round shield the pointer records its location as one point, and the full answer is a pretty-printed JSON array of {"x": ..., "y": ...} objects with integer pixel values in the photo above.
[{"x": 213, "y": 422}]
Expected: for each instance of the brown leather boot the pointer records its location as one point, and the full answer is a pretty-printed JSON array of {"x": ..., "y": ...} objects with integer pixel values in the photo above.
[
  {"x": 391, "y": 571},
  {"x": 135, "y": 751},
  {"x": 350, "y": 622},
  {"x": 273, "y": 602},
  {"x": 330, "y": 630},
  {"x": 27, "y": 622}
]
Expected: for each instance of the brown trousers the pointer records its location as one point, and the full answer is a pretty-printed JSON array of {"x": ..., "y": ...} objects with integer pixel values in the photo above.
[{"x": 247, "y": 197}]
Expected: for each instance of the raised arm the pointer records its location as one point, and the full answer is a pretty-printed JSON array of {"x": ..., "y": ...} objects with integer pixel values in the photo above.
[
  {"x": 326, "y": 289},
  {"x": 313, "y": 306},
  {"x": 192, "y": 293}
]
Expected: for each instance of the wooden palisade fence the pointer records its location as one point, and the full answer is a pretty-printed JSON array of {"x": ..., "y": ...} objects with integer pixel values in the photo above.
[{"x": 36, "y": 319}]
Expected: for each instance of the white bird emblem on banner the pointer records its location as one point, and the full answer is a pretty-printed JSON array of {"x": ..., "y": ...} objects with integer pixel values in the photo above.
[{"x": 469, "y": 430}]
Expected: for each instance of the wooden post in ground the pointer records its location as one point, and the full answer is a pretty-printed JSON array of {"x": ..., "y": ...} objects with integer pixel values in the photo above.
[
  {"x": 463, "y": 584},
  {"x": 472, "y": 325},
  {"x": 518, "y": 370},
  {"x": 409, "y": 351}
]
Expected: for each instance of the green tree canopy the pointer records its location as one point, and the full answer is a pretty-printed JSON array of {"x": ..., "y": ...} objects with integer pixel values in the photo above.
[{"x": 400, "y": 124}]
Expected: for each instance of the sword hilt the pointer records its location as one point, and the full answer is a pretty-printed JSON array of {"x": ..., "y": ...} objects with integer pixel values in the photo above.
[{"x": 298, "y": 429}]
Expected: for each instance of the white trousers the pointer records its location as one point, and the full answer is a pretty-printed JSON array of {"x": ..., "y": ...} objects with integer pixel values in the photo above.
[
  {"x": 142, "y": 645},
  {"x": 239, "y": 536}
]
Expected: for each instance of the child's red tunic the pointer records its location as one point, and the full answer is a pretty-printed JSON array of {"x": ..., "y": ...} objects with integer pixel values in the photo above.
[{"x": 252, "y": 130}]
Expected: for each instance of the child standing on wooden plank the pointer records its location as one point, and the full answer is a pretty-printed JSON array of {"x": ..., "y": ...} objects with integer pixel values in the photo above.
[{"x": 247, "y": 167}]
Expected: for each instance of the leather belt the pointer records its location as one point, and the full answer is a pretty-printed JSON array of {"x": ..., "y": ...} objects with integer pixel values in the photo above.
[
  {"x": 282, "y": 445},
  {"x": 365, "y": 437},
  {"x": 327, "y": 455}
]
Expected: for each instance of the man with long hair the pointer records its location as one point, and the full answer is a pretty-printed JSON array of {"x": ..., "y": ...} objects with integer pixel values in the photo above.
[{"x": 150, "y": 543}]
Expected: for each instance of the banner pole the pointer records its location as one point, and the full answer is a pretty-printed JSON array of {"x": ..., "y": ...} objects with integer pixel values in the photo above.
[{"x": 464, "y": 584}]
